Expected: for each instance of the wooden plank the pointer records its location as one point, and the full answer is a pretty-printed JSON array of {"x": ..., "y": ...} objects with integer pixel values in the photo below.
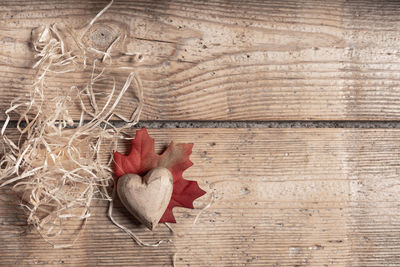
[
  {"x": 219, "y": 60},
  {"x": 284, "y": 197}
]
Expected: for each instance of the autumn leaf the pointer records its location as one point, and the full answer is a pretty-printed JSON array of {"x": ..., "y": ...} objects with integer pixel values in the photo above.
[{"x": 143, "y": 158}]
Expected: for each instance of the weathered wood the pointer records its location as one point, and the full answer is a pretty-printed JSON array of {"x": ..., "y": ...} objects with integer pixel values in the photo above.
[
  {"x": 283, "y": 197},
  {"x": 229, "y": 60}
]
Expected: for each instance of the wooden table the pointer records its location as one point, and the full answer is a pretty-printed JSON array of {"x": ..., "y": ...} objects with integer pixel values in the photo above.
[{"x": 283, "y": 197}]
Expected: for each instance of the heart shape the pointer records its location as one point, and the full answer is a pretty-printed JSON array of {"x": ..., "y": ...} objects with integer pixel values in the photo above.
[{"x": 146, "y": 198}]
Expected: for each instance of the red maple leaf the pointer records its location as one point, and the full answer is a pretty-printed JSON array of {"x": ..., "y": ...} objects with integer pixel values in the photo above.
[{"x": 143, "y": 158}]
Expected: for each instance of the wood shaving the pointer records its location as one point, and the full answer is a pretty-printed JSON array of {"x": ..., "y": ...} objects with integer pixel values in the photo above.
[{"x": 56, "y": 166}]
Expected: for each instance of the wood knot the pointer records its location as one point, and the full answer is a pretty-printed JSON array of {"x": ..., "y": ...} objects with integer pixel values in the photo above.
[
  {"x": 102, "y": 37},
  {"x": 105, "y": 33}
]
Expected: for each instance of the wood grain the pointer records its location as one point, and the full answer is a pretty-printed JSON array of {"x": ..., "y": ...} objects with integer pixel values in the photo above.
[
  {"x": 283, "y": 197},
  {"x": 229, "y": 60}
]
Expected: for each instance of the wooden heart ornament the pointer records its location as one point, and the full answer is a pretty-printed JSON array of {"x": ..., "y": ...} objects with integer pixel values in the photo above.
[{"x": 146, "y": 198}]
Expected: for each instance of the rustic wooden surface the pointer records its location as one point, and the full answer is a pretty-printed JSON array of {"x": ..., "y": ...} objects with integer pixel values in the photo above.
[
  {"x": 230, "y": 60},
  {"x": 284, "y": 197}
]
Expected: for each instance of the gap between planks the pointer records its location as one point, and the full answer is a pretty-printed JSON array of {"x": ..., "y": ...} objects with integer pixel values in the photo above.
[{"x": 253, "y": 124}]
